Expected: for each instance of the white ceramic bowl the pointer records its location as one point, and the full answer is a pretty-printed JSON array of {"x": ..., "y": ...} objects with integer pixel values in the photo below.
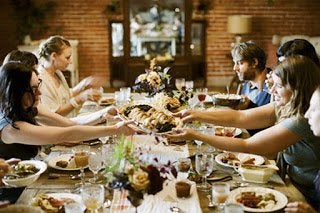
[
  {"x": 21, "y": 182},
  {"x": 256, "y": 174}
]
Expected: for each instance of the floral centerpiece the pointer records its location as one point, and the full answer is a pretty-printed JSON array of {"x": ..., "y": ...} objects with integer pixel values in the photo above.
[
  {"x": 130, "y": 173},
  {"x": 154, "y": 80}
]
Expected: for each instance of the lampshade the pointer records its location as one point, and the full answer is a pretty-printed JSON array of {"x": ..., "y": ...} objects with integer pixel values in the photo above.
[{"x": 239, "y": 24}]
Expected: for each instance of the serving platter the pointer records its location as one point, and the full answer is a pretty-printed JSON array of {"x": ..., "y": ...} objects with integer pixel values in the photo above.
[{"x": 149, "y": 119}]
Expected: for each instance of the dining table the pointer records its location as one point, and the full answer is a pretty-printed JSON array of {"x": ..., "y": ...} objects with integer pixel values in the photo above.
[{"x": 55, "y": 180}]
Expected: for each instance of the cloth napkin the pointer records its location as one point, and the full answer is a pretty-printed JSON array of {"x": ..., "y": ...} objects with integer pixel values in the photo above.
[
  {"x": 151, "y": 148},
  {"x": 159, "y": 203}
]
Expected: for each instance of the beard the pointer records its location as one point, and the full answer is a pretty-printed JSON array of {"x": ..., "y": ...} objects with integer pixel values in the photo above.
[{"x": 249, "y": 75}]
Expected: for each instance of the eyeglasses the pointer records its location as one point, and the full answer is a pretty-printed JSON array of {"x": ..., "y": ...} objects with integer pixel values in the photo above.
[{"x": 36, "y": 88}]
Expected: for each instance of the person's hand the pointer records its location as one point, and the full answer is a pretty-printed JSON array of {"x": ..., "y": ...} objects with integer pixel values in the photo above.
[
  {"x": 123, "y": 128},
  {"x": 299, "y": 207},
  {"x": 244, "y": 103},
  {"x": 111, "y": 113},
  {"x": 185, "y": 115},
  {"x": 91, "y": 82},
  {"x": 90, "y": 94},
  {"x": 4, "y": 168},
  {"x": 180, "y": 134},
  {"x": 269, "y": 80}
]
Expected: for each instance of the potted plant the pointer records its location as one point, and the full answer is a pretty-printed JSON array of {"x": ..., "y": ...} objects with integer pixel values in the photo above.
[{"x": 30, "y": 18}]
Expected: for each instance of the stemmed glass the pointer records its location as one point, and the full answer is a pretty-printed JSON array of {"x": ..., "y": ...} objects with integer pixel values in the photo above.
[
  {"x": 180, "y": 83},
  {"x": 189, "y": 85},
  {"x": 81, "y": 159},
  {"x": 220, "y": 193},
  {"x": 199, "y": 143},
  {"x": 201, "y": 94},
  {"x": 93, "y": 196},
  {"x": 95, "y": 164},
  {"x": 204, "y": 167},
  {"x": 108, "y": 159}
]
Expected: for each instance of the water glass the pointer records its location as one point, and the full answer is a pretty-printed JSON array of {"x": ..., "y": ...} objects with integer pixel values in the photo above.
[
  {"x": 189, "y": 85},
  {"x": 126, "y": 93},
  {"x": 95, "y": 164},
  {"x": 81, "y": 159},
  {"x": 220, "y": 193},
  {"x": 93, "y": 196},
  {"x": 204, "y": 167},
  {"x": 233, "y": 208},
  {"x": 180, "y": 83},
  {"x": 74, "y": 207}
]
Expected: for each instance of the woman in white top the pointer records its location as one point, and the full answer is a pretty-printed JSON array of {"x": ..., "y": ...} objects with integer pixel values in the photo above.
[{"x": 55, "y": 56}]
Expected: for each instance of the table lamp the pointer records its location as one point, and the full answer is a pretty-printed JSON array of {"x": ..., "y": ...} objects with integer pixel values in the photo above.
[{"x": 239, "y": 25}]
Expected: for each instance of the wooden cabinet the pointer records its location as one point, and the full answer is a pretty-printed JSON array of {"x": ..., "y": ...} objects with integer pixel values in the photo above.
[{"x": 161, "y": 29}]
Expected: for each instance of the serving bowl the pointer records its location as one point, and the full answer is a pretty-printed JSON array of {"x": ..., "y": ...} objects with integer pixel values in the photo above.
[
  {"x": 230, "y": 100},
  {"x": 25, "y": 181}
]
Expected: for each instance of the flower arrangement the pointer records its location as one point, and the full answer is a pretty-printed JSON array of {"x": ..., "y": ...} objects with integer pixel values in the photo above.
[
  {"x": 132, "y": 174},
  {"x": 154, "y": 80}
]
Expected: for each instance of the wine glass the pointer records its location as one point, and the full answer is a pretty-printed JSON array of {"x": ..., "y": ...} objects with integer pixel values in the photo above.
[
  {"x": 95, "y": 164},
  {"x": 220, "y": 193},
  {"x": 198, "y": 142},
  {"x": 108, "y": 159},
  {"x": 180, "y": 83},
  {"x": 201, "y": 94},
  {"x": 81, "y": 159},
  {"x": 93, "y": 196},
  {"x": 204, "y": 167},
  {"x": 233, "y": 208},
  {"x": 189, "y": 85},
  {"x": 210, "y": 131}
]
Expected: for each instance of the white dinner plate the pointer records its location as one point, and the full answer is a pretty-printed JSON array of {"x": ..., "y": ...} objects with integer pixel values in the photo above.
[
  {"x": 77, "y": 198},
  {"x": 237, "y": 131},
  {"x": 281, "y": 199},
  {"x": 258, "y": 160},
  {"x": 65, "y": 157},
  {"x": 60, "y": 196}
]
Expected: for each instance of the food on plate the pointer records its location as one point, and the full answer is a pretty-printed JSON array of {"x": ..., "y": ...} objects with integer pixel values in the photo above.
[
  {"x": 183, "y": 189},
  {"x": 225, "y": 131},
  {"x": 50, "y": 204},
  {"x": 62, "y": 163},
  {"x": 195, "y": 177},
  {"x": 257, "y": 201},
  {"x": 21, "y": 170},
  {"x": 228, "y": 96},
  {"x": 229, "y": 158},
  {"x": 105, "y": 100},
  {"x": 150, "y": 117}
]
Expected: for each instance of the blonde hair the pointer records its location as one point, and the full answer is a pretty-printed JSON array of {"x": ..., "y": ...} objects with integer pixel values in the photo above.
[{"x": 53, "y": 44}]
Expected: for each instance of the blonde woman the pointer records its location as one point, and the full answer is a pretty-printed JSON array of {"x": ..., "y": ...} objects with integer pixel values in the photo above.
[{"x": 55, "y": 56}]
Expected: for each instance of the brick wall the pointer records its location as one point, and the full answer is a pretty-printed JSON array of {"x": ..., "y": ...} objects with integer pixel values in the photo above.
[{"x": 85, "y": 21}]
